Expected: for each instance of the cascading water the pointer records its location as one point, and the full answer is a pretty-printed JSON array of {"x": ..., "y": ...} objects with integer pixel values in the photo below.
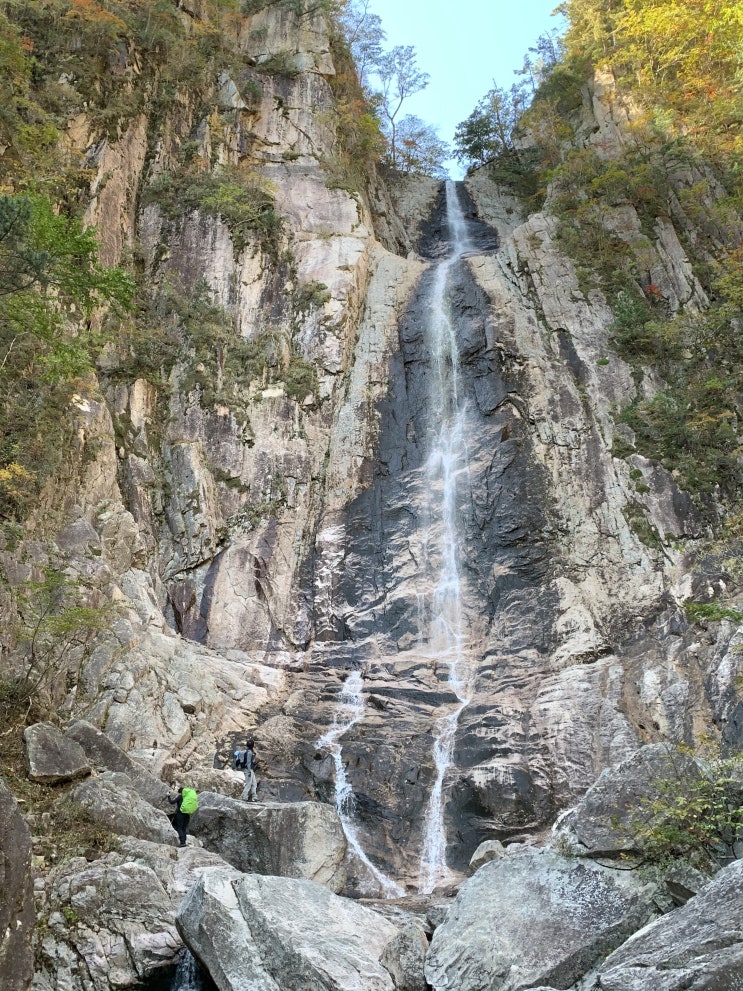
[
  {"x": 441, "y": 617},
  {"x": 188, "y": 975},
  {"x": 446, "y": 462},
  {"x": 349, "y": 712}
]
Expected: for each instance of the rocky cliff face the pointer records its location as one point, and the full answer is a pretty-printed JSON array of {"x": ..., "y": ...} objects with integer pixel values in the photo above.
[
  {"x": 268, "y": 526},
  {"x": 265, "y": 520}
]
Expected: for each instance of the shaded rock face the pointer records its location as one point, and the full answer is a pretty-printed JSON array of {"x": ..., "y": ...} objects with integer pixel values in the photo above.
[
  {"x": 605, "y": 820},
  {"x": 272, "y": 933},
  {"x": 17, "y": 913},
  {"x": 698, "y": 946},
  {"x": 534, "y": 918},
  {"x": 52, "y": 757},
  {"x": 296, "y": 840}
]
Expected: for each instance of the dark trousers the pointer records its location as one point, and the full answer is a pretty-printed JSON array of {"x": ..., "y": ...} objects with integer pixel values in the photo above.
[{"x": 180, "y": 824}]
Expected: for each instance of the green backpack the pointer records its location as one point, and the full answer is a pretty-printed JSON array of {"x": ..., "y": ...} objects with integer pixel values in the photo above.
[{"x": 189, "y": 801}]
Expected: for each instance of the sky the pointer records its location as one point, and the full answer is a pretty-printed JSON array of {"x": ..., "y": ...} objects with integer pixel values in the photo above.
[{"x": 465, "y": 46}]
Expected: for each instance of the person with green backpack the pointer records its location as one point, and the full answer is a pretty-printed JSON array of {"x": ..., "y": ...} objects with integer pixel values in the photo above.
[{"x": 186, "y": 803}]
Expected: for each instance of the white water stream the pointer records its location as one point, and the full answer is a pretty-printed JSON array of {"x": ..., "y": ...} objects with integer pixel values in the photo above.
[
  {"x": 440, "y": 614},
  {"x": 446, "y": 462},
  {"x": 187, "y": 975},
  {"x": 349, "y": 712}
]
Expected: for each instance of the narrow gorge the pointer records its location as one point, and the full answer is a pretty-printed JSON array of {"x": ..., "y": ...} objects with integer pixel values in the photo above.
[{"x": 350, "y": 473}]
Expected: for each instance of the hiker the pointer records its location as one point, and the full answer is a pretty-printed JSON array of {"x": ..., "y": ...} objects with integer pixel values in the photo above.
[
  {"x": 245, "y": 761},
  {"x": 185, "y": 803}
]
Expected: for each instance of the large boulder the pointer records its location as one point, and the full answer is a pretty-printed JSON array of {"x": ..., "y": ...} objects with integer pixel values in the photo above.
[
  {"x": 17, "y": 914},
  {"x": 405, "y": 958},
  {"x": 51, "y": 757},
  {"x": 605, "y": 820},
  {"x": 105, "y": 755},
  {"x": 113, "y": 801},
  {"x": 270, "y": 933},
  {"x": 487, "y": 851},
  {"x": 698, "y": 946},
  {"x": 112, "y": 922},
  {"x": 534, "y": 918},
  {"x": 300, "y": 840}
]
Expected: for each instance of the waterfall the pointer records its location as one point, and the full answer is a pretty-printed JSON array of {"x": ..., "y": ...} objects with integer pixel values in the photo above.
[
  {"x": 349, "y": 712},
  {"x": 439, "y": 600},
  {"x": 187, "y": 976},
  {"x": 446, "y": 462}
]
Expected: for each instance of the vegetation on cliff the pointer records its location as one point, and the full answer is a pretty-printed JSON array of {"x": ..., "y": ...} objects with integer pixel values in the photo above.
[
  {"x": 695, "y": 814},
  {"x": 387, "y": 79},
  {"x": 76, "y": 74},
  {"x": 677, "y": 76},
  {"x": 71, "y": 323}
]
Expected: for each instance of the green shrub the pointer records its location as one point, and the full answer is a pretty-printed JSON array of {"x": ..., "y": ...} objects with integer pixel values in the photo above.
[
  {"x": 56, "y": 625},
  {"x": 300, "y": 378},
  {"x": 241, "y": 199},
  {"x": 279, "y": 64},
  {"x": 629, "y": 328},
  {"x": 710, "y": 612},
  {"x": 310, "y": 296},
  {"x": 637, "y": 520},
  {"x": 690, "y": 429},
  {"x": 50, "y": 281},
  {"x": 696, "y": 817}
]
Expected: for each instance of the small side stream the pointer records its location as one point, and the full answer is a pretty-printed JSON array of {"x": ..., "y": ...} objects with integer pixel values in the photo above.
[{"x": 350, "y": 711}]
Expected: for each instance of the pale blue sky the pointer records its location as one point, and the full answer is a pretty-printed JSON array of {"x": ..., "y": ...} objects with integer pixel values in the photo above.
[{"x": 464, "y": 45}]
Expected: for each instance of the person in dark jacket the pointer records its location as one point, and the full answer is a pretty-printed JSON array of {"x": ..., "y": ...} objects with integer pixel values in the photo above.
[
  {"x": 181, "y": 819},
  {"x": 246, "y": 762}
]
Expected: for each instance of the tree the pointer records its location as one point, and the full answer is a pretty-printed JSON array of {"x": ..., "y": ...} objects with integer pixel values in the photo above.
[
  {"x": 473, "y": 138},
  {"x": 50, "y": 283},
  {"x": 27, "y": 134},
  {"x": 58, "y": 622},
  {"x": 697, "y": 813},
  {"x": 400, "y": 78},
  {"x": 49, "y": 267},
  {"x": 549, "y": 51},
  {"x": 488, "y": 131},
  {"x": 420, "y": 149},
  {"x": 364, "y": 34}
]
